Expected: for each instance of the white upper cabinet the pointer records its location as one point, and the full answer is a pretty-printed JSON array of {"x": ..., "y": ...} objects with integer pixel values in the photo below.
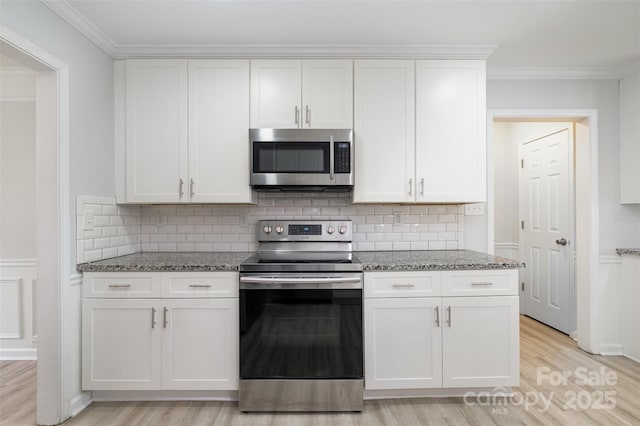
[
  {"x": 384, "y": 123},
  {"x": 420, "y": 131},
  {"x": 630, "y": 139},
  {"x": 156, "y": 130},
  {"x": 451, "y": 131},
  {"x": 185, "y": 136},
  {"x": 218, "y": 131},
  {"x": 302, "y": 94}
]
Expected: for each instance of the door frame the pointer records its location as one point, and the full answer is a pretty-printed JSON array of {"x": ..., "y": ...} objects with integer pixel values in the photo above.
[
  {"x": 586, "y": 219},
  {"x": 571, "y": 235},
  {"x": 53, "y": 243}
]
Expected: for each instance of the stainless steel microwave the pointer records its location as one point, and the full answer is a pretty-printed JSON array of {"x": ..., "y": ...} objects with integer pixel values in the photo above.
[{"x": 301, "y": 159}]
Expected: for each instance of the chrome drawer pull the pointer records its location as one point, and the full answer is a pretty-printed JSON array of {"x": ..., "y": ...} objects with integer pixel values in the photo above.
[
  {"x": 119, "y": 285},
  {"x": 164, "y": 317},
  {"x": 153, "y": 317},
  {"x": 408, "y": 285},
  {"x": 200, "y": 285},
  {"x": 449, "y": 316},
  {"x": 437, "y": 316},
  {"x": 482, "y": 283}
]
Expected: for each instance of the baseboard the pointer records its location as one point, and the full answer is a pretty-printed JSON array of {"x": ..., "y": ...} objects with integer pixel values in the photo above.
[
  {"x": 632, "y": 358},
  {"x": 101, "y": 396},
  {"x": 79, "y": 403},
  {"x": 611, "y": 349},
  {"x": 19, "y": 354}
]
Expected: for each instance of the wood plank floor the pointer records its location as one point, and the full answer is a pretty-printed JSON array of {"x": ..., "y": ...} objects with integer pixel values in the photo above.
[{"x": 573, "y": 403}]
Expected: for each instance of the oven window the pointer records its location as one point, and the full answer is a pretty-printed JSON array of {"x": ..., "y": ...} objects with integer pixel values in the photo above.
[
  {"x": 291, "y": 157},
  {"x": 300, "y": 334}
]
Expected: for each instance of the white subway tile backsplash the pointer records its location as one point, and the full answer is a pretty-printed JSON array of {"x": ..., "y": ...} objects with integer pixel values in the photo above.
[{"x": 124, "y": 229}]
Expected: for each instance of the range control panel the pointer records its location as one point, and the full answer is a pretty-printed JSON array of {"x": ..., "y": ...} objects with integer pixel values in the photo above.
[{"x": 305, "y": 230}]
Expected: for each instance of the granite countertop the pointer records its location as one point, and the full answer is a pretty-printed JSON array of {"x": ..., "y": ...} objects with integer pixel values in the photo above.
[
  {"x": 632, "y": 251},
  {"x": 187, "y": 262},
  {"x": 433, "y": 260}
]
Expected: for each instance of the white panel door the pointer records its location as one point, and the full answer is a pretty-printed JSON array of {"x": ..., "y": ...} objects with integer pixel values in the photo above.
[
  {"x": 200, "y": 344},
  {"x": 545, "y": 193},
  {"x": 403, "y": 346},
  {"x": 276, "y": 94},
  {"x": 384, "y": 127},
  {"x": 156, "y": 130},
  {"x": 327, "y": 94},
  {"x": 451, "y": 131},
  {"x": 480, "y": 341},
  {"x": 121, "y": 344},
  {"x": 218, "y": 131}
]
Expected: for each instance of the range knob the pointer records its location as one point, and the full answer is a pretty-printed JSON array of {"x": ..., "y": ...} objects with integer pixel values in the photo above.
[
  {"x": 342, "y": 229},
  {"x": 279, "y": 229},
  {"x": 266, "y": 229},
  {"x": 330, "y": 230}
]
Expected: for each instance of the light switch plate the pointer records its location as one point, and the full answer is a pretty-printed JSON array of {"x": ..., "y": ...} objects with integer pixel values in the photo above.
[{"x": 476, "y": 209}]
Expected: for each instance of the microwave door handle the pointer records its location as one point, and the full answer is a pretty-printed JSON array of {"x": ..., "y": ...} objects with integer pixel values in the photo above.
[{"x": 331, "y": 169}]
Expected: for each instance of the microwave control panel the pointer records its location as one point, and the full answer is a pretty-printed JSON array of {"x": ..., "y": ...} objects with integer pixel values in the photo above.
[{"x": 342, "y": 160}]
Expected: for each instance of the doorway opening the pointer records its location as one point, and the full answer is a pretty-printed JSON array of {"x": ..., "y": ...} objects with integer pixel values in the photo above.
[
  {"x": 51, "y": 220},
  {"x": 543, "y": 183}
]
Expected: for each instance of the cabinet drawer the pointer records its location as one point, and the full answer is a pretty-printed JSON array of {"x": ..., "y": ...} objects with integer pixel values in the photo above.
[
  {"x": 402, "y": 284},
  {"x": 499, "y": 282},
  {"x": 200, "y": 284},
  {"x": 121, "y": 284}
]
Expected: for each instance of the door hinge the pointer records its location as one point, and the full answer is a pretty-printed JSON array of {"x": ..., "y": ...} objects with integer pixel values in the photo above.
[
  {"x": 522, "y": 285},
  {"x": 522, "y": 224},
  {"x": 522, "y": 163}
]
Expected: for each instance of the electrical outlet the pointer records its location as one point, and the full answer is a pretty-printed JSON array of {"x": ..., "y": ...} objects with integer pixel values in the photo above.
[
  {"x": 397, "y": 219},
  {"x": 87, "y": 225},
  {"x": 476, "y": 209}
]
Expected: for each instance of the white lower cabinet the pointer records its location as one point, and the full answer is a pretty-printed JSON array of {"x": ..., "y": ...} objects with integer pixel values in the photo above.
[
  {"x": 415, "y": 342},
  {"x": 169, "y": 343}
]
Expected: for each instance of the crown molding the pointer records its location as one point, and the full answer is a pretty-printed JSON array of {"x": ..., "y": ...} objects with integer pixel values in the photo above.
[
  {"x": 82, "y": 24},
  {"x": 633, "y": 69},
  {"x": 554, "y": 73},
  {"x": 306, "y": 51}
]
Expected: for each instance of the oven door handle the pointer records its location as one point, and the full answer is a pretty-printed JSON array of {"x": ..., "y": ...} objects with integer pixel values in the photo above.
[{"x": 301, "y": 282}]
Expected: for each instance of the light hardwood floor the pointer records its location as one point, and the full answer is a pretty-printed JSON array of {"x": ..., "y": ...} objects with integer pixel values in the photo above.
[{"x": 541, "y": 347}]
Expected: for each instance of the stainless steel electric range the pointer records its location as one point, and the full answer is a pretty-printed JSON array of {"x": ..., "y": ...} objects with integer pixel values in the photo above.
[{"x": 301, "y": 319}]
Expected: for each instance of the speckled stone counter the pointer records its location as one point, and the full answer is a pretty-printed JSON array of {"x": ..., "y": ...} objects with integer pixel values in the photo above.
[
  {"x": 433, "y": 260},
  {"x": 186, "y": 262},
  {"x": 631, "y": 251}
]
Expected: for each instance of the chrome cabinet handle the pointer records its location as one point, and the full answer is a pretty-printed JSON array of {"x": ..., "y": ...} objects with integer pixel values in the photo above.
[
  {"x": 562, "y": 242},
  {"x": 410, "y": 186},
  {"x": 153, "y": 317},
  {"x": 164, "y": 317},
  {"x": 408, "y": 285},
  {"x": 437, "y": 316},
  {"x": 422, "y": 186},
  {"x": 119, "y": 285},
  {"x": 449, "y": 316},
  {"x": 297, "y": 114},
  {"x": 200, "y": 285},
  {"x": 482, "y": 283},
  {"x": 192, "y": 183},
  {"x": 299, "y": 280},
  {"x": 308, "y": 115},
  {"x": 181, "y": 191}
]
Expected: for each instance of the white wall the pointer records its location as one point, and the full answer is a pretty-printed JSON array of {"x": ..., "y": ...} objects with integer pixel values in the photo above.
[
  {"x": 91, "y": 136},
  {"x": 17, "y": 166},
  {"x": 618, "y": 223}
]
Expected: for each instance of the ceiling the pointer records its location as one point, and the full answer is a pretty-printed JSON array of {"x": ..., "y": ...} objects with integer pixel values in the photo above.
[{"x": 535, "y": 35}]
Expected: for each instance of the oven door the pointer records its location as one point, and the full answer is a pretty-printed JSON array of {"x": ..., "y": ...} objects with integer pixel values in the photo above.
[{"x": 301, "y": 326}]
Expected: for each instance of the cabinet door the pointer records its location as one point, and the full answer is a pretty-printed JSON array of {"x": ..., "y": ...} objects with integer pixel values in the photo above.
[
  {"x": 200, "y": 344},
  {"x": 384, "y": 117},
  {"x": 156, "y": 130},
  {"x": 402, "y": 343},
  {"x": 275, "y": 94},
  {"x": 451, "y": 131},
  {"x": 480, "y": 341},
  {"x": 218, "y": 131},
  {"x": 327, "y": 94},
  {"x": 121, "y": 344}
]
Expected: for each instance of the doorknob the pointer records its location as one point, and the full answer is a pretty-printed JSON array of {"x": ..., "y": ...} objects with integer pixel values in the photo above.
[{"x": 562, "y": 241}]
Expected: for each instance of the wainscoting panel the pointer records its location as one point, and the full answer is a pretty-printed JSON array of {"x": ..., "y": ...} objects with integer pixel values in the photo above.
[{"x": 18, "y": 335}]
